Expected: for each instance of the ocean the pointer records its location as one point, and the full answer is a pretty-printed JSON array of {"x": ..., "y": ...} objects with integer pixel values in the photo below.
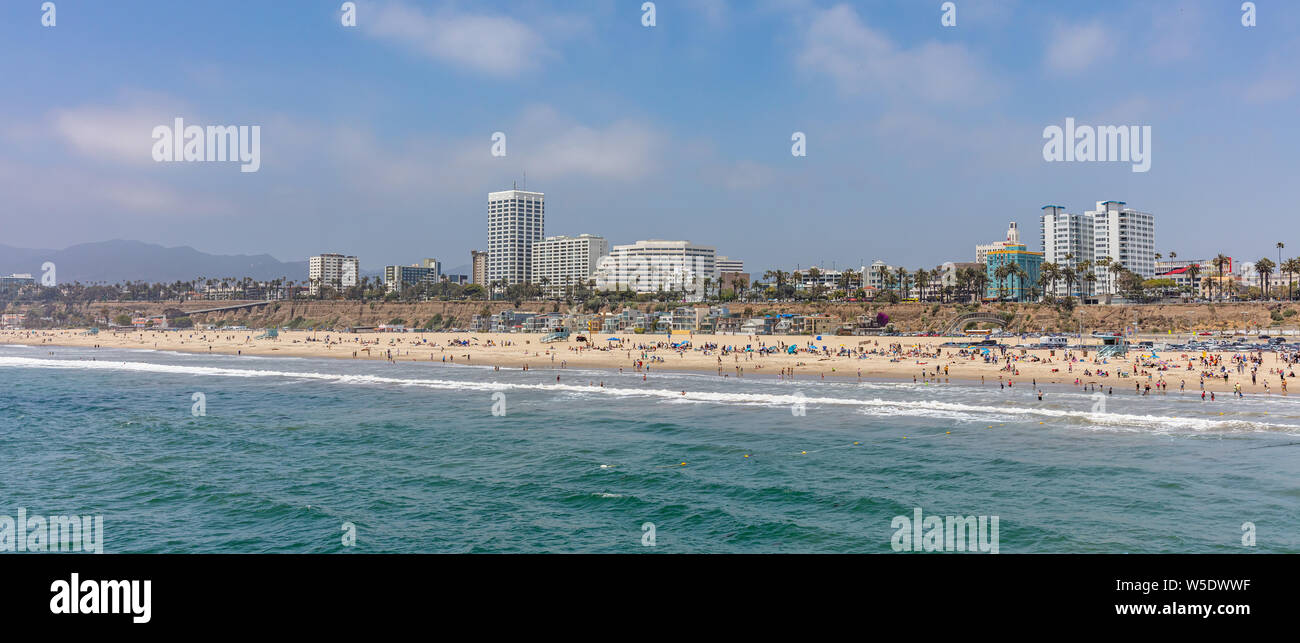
[{"x": 322, "y": 455}]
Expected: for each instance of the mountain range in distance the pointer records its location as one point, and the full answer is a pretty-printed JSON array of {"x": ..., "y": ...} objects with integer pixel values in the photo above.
[{"x": 121, "y": 261}]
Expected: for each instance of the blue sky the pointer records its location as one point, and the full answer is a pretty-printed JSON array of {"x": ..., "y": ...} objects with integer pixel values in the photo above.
[{"x": 923, "y": 140}]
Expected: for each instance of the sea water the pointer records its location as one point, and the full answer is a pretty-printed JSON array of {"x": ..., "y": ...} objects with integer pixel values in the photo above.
[{"x": 298, "y": 455}]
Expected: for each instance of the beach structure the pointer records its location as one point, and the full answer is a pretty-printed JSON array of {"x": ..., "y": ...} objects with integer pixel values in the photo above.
[
  {"x": 399, "y": 278},
  {"x": 516, "y": 220},
  {"x": 658, "y": 265},
  {"x": 333, "y": 270},
  {"x": 562, "y": 262}
]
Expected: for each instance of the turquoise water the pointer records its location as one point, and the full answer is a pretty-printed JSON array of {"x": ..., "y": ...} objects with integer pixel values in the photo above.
[{"x": 412, "y": 455}]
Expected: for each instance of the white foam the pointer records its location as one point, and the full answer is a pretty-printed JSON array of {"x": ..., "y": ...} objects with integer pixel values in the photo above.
[{"x": 874, "y": 406}]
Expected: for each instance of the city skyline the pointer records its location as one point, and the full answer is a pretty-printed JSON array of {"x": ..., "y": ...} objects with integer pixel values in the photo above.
[{"x": 904, "y": 120}]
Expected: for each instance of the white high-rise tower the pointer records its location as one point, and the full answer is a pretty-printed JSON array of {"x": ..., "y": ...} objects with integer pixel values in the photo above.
[{"x": 516, "y": 220}]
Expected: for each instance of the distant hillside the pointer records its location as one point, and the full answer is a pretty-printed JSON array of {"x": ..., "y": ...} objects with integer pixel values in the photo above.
[{"x": 119, "y": 261}]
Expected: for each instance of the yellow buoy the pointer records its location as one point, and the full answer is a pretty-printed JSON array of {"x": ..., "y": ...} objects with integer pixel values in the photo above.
[{"x": 683, "y": 464}]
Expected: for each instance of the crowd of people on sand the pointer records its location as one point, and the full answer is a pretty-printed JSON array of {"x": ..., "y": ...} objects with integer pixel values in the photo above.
[{"x": 1085, "y": 369}]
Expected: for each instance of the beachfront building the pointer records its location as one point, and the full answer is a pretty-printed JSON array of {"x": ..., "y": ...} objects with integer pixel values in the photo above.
[
  {"x": 727, "y": 264},
  {"x": 948, "y": 272},
  {"x": 658, "y": 265},
  {"x": 829, "y": 280},
  {"x": 1125, "y": 235},
  {"x": 561, "y": 263},
  {"x": 478, "y": 261},
  {"x": 331, "y": 270},
  {"x": 878, "y": 274},
  {"x": 1244, "y": 273},
  {"x": 1013, "y": 238},
  {"x": 1184, "y": 276},
  {"x": 1068, "y": 241},
  {"x": 1020, "y": 285},
  {"x": 516, "y": 220},
  {"x": 399, "y": 278}
]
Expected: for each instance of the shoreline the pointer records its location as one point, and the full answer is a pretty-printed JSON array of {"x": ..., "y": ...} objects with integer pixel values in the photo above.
[{"x": 842, "y": 360}]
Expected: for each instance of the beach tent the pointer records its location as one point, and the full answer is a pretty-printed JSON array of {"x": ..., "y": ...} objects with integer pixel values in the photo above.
[{"x": 790, "y": 350}]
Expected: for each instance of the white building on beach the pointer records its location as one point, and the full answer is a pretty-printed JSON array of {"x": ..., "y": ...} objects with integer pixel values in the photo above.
[{"x": 655, "y": 265}]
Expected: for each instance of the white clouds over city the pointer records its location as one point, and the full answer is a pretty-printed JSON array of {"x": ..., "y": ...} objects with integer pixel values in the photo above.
[{"x": 861, "y": 60}]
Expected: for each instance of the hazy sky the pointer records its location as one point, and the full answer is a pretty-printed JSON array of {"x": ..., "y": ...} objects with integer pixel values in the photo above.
[{"x": 922, "y": 140}]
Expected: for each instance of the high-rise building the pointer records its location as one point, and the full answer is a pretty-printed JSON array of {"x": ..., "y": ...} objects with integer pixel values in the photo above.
[
  {"x": 1068, "y": 241},
  {"x": 654, "y": 265},
  {"x": 478, "y": 259},
  {"x": 516, "y": 220},
  {"x": 1125, "y": 235},
  {"x": 561, "y": 262},
  {"x": 333, "y": 270},
  {"x": 1113, "y": 234}
]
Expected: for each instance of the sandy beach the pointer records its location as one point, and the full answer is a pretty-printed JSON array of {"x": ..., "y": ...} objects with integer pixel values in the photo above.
[{"x": 888, "y": 358}]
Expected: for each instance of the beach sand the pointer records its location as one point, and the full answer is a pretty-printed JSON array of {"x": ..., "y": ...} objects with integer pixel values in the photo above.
[{"x": 916, "y": 361}]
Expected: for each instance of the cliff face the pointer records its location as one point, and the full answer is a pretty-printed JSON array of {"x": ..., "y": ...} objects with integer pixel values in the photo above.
[{"x": 905, "y": 317}]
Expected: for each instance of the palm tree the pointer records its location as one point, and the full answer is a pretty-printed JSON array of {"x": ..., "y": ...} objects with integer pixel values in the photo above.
[
  {"x": 1194, "y": 271},
  {"x": 1105, "y": 263},
  {"x": 922, "y": 280},
  {"x": 1001, "y": 273},
  {"x": 1219, "y": 262},
  {"x": 1264, "y": 268},
  {"x": 1291, "y": 267},
  {"x": 1070, "y": 277},
  {"x": 901, "y": 273},
  {"x": 980, "y": 279},
  {"x": 1047, "y": 278},
  {"x": 1048, "y": 275}
]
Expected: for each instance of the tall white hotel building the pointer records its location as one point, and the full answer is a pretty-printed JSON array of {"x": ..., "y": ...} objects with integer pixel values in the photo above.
[
  {"x": 1113, "y": 230},
  {"x": 516, "y": 220},
  {"x": 560, "y": 262},
  {"x": 333, "y": 270}
]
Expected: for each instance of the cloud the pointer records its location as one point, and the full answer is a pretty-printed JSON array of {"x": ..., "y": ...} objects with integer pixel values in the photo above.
[
  {"x": 862, "y": 60},
  {"x": 1076, "y": 47},
  {"x": 113, "y": 133},
  {"x": 622, "y": 150},
  {"x": 492, "y": 44}
]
